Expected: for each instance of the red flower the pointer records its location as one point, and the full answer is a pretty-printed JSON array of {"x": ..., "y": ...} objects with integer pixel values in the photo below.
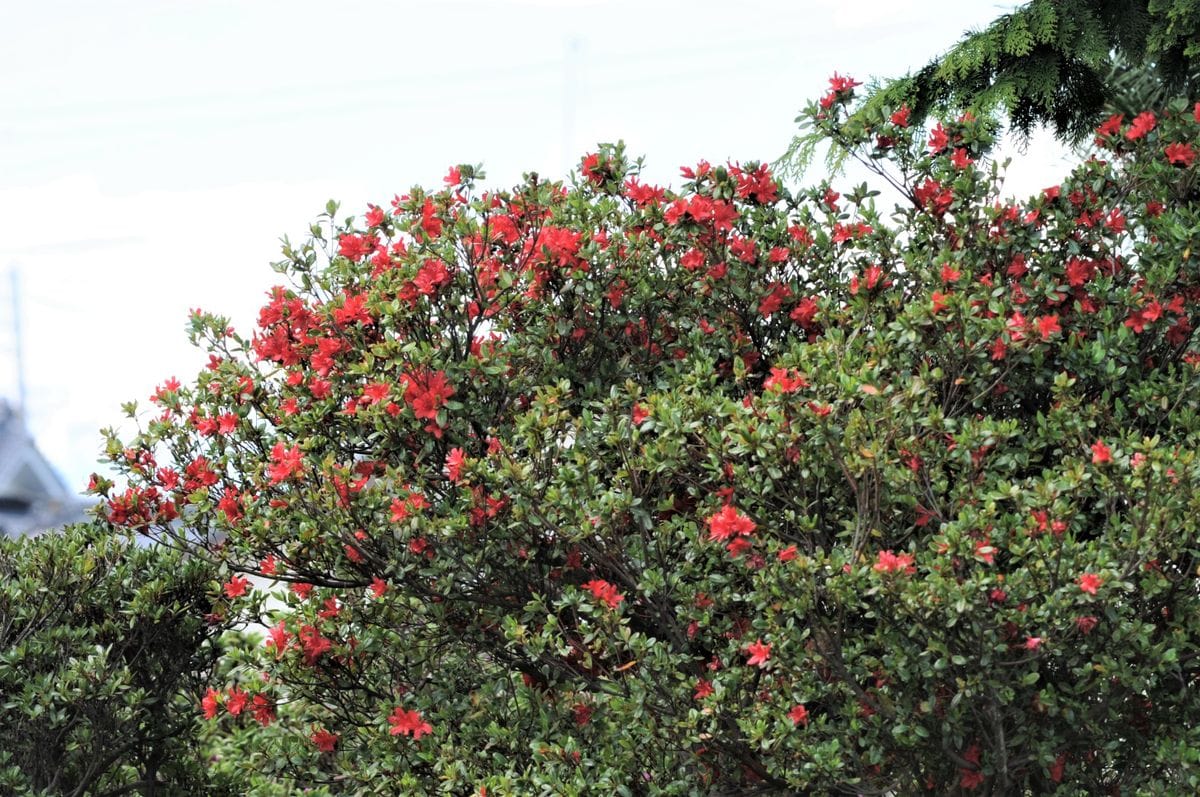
[
  {"x": 900, "y": 117},
  {"x": 285, "y": 463},
  {"x": 738, "y": 546},
  {"x": 354, "y": 247},
  {"x": 891, "y": 563},
  {"x": 938, "y": 140},
  {"x": 1100, "y": 453},
  {"x": 378, "y": 587},
  {"x": 1180, "y": 154},
  {"x": 231, "y": 505},
  {"x": 1033, "y": 642},
  {"x": 278, "y": 638},
  {"x": 1110, "y": 127},
  {"x": 590, "y": 168},
  {"x": 971, "y": 778},
  {"x": 324, "y": 740},
  {"x": 1089, "y": 583},
  {"x": 454, "y": 463},
  {"x": 582, "y": 713},
  {"x": 263, "y": 710},
  {"x": 432, "y": 275},
  {"x": 408, "y": 722},
  {"x": 640, "y": 413},
  {"x": 788, "y": 554},
  {"x": 729, "y": 523},
  {"x": 1142, "y": 124},
  {"x": 427, "y": 393},
  {"x": 236, "y": 701},
  {"x": 703, "y": 689},
  {"x": 1086, "y": 624},
  {"x": 1048, "y": 325},
  {"x": 839, "y": 84},
  {"x": 604, "y": 591},
  {"x": 236, "y": 587},
  {"x": 798, "y": 715},
  {"x": 211, "y": 703},
  {"x": 805, "y": 312},
  {"x": 313, "y": 643},
  {"x": 759, "y": 653},
  {"x": 960, "y": 159},
  {"x": 353, "y": 310},
  {"x": 784, "y": 380},
  {"x": 1057, "y": 768}
]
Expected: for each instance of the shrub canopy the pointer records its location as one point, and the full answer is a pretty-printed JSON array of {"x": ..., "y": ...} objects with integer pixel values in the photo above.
[
  {"x": 602, "y": 487},
  {"x": 104, "y": 651}
]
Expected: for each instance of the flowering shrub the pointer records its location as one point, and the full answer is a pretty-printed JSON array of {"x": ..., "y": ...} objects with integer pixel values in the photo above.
[{"x": 609, "y": 487}]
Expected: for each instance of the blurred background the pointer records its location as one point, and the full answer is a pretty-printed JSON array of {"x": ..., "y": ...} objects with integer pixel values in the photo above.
[{"x": 152, "y": 153}]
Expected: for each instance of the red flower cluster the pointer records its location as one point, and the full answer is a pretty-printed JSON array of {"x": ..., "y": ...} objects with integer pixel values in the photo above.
[
  {"x": 408, "y": 723},
  {"x": 605, "y": 592}
]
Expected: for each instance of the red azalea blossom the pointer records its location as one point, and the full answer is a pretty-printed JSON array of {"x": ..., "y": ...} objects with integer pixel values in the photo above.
[
  {"x": 1047, "y": 326},
  {"x": 324, "y": 740},
  {"x": 703, "y": 689},
  {"x": 408, "y": 723},
  {"x": 236, "y": 586},
  {"x": 1180, "y": 154},
  {"x": 277, "y": 637},
  {"x": 603, "y": 591},
  {"x": 729, "y": 522},
  {"x": 263, "y": 710},
  {"x": 1100, "y": 453},
  {"x": 738, "y": 546},
  {"x": 889, "y": 562},
  {"x": 798, "y": 715},
  {"x": 758, "y": 653},
  {"x": 211, "y": 703},
  {"x": 236, "y": 701},
  {"x": 1110, "y": 127},
  {"x": 1142, "y": 124},
  {"x": 971, "y": 778},
  {"x": 1086, "y": 624},
  {"x": 1058, "y": 768},
  {"x": 784, "y": 380},
  {"x": 640, "y": 414},
  {"x": 938, "y": 139},
  {"x": 285, "y": 463},
  {"x": 1089, "y": 583},
  {"x": 454, "y": 463}
]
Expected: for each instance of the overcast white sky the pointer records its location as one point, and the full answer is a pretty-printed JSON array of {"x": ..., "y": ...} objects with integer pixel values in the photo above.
[{"x": 152, "y": 152}]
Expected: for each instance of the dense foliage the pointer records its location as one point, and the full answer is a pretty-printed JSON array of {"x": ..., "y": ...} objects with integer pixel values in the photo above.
[
  {"x": 606, "y": 488},
  {"x": 104, "y": 650},
  {"x": 1064, "y": 64}
]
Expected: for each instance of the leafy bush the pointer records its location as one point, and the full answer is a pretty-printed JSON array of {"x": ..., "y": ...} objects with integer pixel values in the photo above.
[
  {"x": 103, "y": 651},
  {"x": 606, "y": 488}
]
